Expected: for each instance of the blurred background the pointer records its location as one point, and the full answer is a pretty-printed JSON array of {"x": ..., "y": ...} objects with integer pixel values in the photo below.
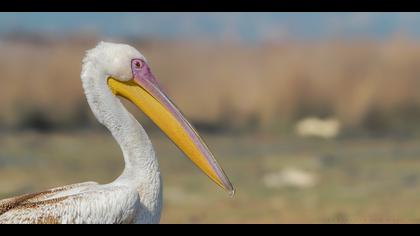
[{"x": 314, "y": 116}]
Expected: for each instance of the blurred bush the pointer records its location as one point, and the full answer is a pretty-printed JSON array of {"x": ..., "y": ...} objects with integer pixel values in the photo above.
[{"x": 370, "y": 86}]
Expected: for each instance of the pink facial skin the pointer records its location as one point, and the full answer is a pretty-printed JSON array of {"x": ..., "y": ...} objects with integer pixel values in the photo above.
[{"x": 144, "y": 77}]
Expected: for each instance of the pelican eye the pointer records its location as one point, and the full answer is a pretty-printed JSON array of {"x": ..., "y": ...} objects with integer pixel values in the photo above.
[{"x": 137, "y": 64}]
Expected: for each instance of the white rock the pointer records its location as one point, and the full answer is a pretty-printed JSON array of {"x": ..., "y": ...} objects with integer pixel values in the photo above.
[
  {"x": 290, "y": 177},
  {"x": 313, "y": 126}
]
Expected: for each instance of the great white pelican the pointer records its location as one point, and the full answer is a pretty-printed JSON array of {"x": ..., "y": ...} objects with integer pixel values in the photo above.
[{"x": 111, "y": 71}]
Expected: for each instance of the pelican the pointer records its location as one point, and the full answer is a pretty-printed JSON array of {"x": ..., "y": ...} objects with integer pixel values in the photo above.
[{"x": 112, "y": 71}]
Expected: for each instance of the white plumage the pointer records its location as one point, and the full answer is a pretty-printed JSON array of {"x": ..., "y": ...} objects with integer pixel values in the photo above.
[{"x": 135, "y": 196}]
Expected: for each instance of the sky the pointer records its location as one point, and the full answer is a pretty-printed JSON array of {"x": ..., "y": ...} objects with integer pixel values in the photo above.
[{"x": 217, "y": 26}]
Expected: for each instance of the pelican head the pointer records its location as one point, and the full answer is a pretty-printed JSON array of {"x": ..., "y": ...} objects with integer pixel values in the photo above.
[{"x": 128, "y": 75}]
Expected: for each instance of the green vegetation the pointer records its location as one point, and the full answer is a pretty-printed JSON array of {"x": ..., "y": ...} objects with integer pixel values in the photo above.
[{"x": 358, "y": 181}]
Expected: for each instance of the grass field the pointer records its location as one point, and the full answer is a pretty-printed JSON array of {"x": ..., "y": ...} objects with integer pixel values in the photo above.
[
  {"x": 356, "y": 180},
  {"x": 366, "y": 84}
]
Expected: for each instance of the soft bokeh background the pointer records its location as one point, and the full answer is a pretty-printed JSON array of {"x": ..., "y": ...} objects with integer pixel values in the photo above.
[{"x": 314, "y": 116}]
